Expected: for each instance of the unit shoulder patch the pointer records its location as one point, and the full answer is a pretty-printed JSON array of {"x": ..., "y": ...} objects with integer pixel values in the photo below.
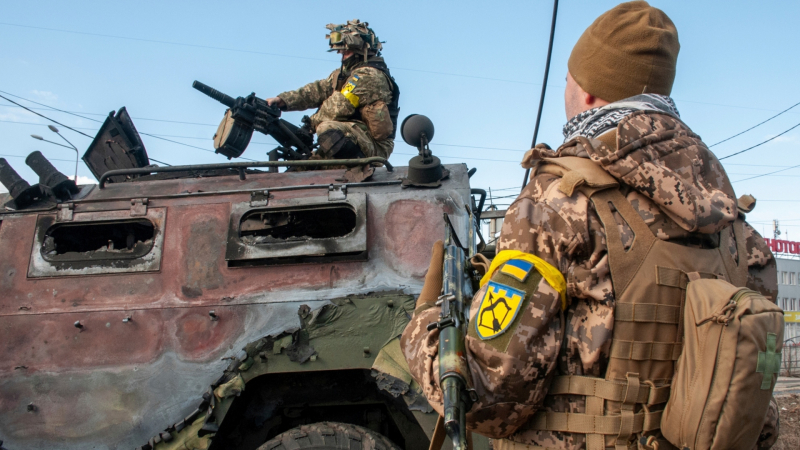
[{"x": 498, "y": 309}]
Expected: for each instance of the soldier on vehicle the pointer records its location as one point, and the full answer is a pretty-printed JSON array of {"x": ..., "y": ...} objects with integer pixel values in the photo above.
[
  {"x": 358, "y": 102},
  {"x": 568, "y": 283}
]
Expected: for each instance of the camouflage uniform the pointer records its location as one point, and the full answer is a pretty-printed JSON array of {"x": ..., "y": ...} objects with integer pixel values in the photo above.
[
  {"x": 344, "y": 113},
  {"x": 678, "y": 188}
]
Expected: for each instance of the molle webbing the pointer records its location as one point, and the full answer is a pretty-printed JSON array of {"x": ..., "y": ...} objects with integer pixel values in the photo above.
[
  {"x": 393, "y": 106},
  {"x": 649, "y": 279},
  {"x": 647, "y": 312},
  {"x": 614, "y": 391},
  {"x": 644, "y": 351},
  {"x": 596, "y": 424}
]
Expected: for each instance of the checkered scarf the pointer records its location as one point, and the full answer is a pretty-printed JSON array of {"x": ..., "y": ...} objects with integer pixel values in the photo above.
[{"x": 594, "y": 122}]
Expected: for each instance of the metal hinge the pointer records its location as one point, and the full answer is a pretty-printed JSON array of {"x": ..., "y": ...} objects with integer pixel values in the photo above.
[
  {"x": 138, "y": 207},
  {"x": 337, "y": 192},
  {"x": 65, "y": 212},
  {"x": 259, "y": 198}
]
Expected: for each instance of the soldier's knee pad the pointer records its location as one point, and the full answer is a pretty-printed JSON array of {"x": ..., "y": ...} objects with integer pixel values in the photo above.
[{"x": 334, "y": 144}]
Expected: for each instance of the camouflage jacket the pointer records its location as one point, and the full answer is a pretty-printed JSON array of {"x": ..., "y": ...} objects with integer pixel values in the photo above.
[
  {"x": 364, "y": 86},
  {"x": 660, "y": 162}
]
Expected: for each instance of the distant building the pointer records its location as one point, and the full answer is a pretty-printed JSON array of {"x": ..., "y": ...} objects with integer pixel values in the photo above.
[
  {"x": 789, "y": 295},
  {"x": 787, "y": 254}
]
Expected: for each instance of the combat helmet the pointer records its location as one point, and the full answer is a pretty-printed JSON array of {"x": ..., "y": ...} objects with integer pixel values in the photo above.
[{"x": 354, "y": 35}]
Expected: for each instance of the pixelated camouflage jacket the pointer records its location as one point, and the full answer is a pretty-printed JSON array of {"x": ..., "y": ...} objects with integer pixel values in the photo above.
[
  {"x": 661, "y": 162},
  {"x": 369, "y": 85}
]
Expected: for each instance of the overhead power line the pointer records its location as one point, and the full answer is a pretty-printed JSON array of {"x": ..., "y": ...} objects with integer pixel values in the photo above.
[
  {"x": 755, "y": 165},
  {"x": 49, "y": 159},
  {"x": 75, "y": 113},
  {"x": 41, "y": 115},
  {"x": 254, "y": 52},
  {"x": 760, "y": 143},
  {"x": 754, "y": 126},
  {"x": 460, "y": 158},
  {"x": 95, "y": 120},
  {"x": 48, "y": 107},
  {"x": 766, "y": 174},
  {"x": 154, "y": 135}
]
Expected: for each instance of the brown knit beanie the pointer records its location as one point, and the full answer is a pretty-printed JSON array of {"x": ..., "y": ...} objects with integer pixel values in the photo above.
[{"x": 631, "y": 49}]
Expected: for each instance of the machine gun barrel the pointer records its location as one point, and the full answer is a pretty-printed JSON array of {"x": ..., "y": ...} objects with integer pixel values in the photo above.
[
  {"x": 225, "y": 99},
  {"x": 248, "y": 114}
]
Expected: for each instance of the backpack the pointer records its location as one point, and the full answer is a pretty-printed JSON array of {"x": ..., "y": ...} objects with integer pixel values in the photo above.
[{"x": 727, "y": 371}]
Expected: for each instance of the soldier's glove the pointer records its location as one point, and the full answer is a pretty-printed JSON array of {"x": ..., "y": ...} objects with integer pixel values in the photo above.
[
  {"x": 433, "y": 280},
  {"x": 481, "y": 264},
  {"x": 306, "y": 121}
]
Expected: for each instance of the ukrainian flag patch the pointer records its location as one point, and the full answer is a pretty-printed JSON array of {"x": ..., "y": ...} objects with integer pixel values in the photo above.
[
  {"x": 517, "y": 268},
  {"x": 498, "y": 309}
]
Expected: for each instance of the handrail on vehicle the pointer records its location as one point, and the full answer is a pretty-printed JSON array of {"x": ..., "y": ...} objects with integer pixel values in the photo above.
[{"x": 244, "y": 165}]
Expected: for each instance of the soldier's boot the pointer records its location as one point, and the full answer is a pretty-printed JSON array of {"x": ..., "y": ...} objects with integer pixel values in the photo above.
[{"x": 333, "y": 144}]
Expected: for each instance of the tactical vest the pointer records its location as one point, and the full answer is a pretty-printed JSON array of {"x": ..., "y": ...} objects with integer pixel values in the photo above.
[
  {"x": 649, "y": 280},
  {"x": 393, "y": 106}
]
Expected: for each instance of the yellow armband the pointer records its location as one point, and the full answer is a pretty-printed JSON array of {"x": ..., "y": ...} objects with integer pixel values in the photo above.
[{"x": 347, "y": 90}]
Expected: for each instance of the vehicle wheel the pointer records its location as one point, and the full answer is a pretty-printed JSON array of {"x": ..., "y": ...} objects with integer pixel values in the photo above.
[{"x": 329, "y": 436}]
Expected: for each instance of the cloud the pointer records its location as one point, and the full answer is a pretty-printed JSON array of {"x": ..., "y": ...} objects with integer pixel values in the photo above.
[
  {"x": 83, "y": 180},
  {"x": 784, "y": 138},
  {"x": 23, "y": 116},
  {"x": 45, "y": 95}
]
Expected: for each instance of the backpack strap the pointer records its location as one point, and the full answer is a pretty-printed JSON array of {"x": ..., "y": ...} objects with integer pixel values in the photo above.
[
  {"x": 577, "y": 172},
  {"x": 623, "y": 263},
  {"x": 737, "y": 268}
]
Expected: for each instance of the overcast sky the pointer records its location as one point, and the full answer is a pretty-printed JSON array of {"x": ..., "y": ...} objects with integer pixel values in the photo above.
[{"x": 474, "y": 68}]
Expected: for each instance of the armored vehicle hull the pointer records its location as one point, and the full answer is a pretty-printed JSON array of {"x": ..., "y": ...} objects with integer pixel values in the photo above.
[{"x": 216, "y": 312}]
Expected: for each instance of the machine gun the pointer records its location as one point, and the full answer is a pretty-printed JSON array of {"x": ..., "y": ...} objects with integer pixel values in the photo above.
[
  {"x": 454, "y": 379},
  {"x": 246, "y": 114}
]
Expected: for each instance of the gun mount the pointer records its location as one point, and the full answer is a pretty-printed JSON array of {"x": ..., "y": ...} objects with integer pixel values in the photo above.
[{"x": 246, "y": 114}]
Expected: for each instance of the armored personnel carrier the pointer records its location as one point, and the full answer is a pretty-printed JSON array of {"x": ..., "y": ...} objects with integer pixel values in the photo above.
[{"x": 217, "y": 306}]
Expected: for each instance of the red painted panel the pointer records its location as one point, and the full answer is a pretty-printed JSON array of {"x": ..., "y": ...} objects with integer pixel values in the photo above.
[
  {"x": 50, "y": 342},
  {"x": 412, "y": 226},
  {"x": 198, "y": 338}
]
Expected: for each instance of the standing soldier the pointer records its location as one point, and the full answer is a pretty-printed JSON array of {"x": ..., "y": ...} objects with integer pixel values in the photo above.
[
  {"x": 575, "y": 332},
  {"x": 358, "y": 102}
]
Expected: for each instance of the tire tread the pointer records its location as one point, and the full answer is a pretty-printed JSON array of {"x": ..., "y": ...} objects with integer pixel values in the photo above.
[{"x": 329, "y": 436}]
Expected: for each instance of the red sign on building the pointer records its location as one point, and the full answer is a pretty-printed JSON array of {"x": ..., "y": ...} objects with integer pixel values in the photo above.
[{"x": 781, "y": 246}]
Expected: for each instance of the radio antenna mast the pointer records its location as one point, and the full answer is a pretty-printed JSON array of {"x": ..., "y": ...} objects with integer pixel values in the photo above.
[{"x": 544, "y": 86}]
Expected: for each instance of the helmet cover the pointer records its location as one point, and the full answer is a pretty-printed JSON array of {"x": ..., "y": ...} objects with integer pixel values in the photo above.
[{"x": 355, "y": 36}]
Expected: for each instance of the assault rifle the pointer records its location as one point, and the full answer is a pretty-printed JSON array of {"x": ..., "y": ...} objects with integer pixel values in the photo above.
[
  {"x": 246, "y": 114},
  {"x": 457, "y": 291}
]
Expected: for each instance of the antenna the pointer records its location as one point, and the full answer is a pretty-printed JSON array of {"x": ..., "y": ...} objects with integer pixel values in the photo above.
[
  {"x": 544, "y": 87},
  {"x": 776, "y": 231}
]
